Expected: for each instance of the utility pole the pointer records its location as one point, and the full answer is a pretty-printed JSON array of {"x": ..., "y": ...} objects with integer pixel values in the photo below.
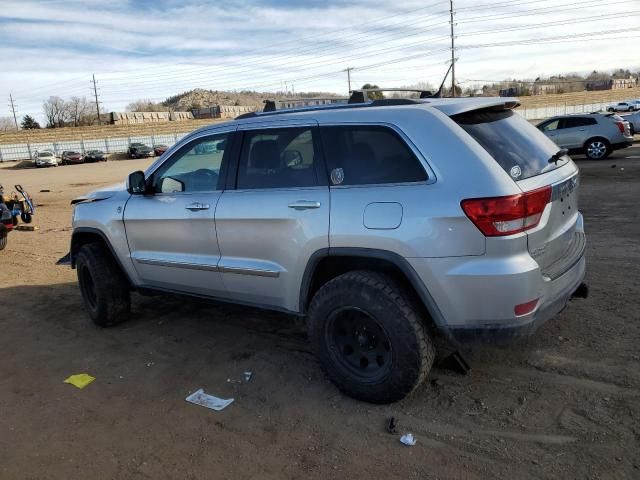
[
  {"x": 95, "y": 93},
  {"x": 348, "y": 70},
  {"x": 453, "y": 53},
  {"x": 13, "y": 109}
]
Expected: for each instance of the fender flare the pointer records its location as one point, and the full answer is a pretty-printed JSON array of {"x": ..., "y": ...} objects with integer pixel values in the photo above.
[
  {"x": 372, "y": 253},
  {"x": 105, "y": 239}
]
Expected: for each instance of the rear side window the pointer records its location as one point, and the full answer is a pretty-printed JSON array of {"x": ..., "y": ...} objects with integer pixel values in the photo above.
[
  {"x": 573, "y": 122},
  {"x": 278, "y": 158},
  {"x": 519, "y": 147},
  {"x": 364, "y": 154}
]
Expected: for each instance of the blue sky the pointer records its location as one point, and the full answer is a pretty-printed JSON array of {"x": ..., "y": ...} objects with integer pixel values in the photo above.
[{"x": 153, "y": 49}]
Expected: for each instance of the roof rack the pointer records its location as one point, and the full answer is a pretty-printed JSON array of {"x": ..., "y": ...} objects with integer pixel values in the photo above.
[
  {"x": 361, "y": 96},
  {"x": 385, "y": 102}
]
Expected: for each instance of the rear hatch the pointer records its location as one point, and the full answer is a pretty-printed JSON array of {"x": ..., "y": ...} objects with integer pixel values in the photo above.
[{"x": 554, "y": 234}]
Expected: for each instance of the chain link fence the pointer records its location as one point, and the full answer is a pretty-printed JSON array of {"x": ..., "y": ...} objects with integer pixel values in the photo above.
[{"x": 109, "y": 145}]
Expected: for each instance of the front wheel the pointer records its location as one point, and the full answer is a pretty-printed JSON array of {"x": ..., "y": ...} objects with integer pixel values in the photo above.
[
  {"x": 597, "y": 149},
  {"x": 104, "y": 288},
  {"x": 369, "y": 338}
]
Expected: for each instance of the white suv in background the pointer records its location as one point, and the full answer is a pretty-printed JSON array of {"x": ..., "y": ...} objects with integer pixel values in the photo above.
[{"x": 45, "y": 158}]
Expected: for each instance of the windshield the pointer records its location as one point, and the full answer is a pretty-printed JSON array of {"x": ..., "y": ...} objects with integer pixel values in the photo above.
[
  {"x": 45, "y": 154},
  {"x": 519, "y": 147}
]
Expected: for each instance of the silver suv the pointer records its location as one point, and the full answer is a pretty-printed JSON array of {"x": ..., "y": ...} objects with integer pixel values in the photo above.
[
  {"x": 387, "y": 224},
  {"x": 596, "y": 135}
]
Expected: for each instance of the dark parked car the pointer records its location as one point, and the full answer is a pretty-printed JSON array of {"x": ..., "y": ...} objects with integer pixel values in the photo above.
[
  {"x": 139, "y": 150},
  {"x": 69, "y": 157},
  {"x": 95, "y": 156},
  {"x": 160, "y": 149}
]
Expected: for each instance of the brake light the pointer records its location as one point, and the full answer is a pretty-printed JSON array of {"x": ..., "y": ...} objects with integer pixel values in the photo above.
[
  {"x": 620, "y": 126},
  {"x": 499, "y": 216}
]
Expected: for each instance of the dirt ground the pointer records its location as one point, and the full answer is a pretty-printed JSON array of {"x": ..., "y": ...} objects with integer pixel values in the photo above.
[{"x": 565, "y": 404}]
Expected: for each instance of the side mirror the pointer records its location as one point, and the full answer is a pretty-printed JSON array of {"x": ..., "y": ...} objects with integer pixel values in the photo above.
[{"x": 136, "y": 184}]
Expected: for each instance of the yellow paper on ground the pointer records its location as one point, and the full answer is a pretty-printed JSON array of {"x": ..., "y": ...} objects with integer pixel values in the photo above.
[{"x": 80, "y": 380}]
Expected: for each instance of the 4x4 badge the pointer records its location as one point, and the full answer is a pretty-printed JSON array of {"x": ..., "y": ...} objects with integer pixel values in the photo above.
[
  {"x": 337, "y": 176},
  {"x": 515, "y": 172}
]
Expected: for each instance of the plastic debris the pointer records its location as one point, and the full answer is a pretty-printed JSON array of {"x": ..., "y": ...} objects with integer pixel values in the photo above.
[
  {"x": 209, "y": 401},
  {"x": 408, "y": 439},
  {"x": 80, "y": 380}
]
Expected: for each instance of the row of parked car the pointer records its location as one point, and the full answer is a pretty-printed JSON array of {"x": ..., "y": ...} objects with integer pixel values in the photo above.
[
  {"x": 594, "y": 134},
  {"x": 48, "y": 158}
]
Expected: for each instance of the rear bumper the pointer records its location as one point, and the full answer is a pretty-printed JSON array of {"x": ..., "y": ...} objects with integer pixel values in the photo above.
[
  {"x": 512, "y": 331},
  {"x": 476, "y": 296},
  {"x": 618, "y": 146}
]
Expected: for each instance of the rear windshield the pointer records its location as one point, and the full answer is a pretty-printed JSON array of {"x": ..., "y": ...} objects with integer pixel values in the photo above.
[{"x": 519, "y": 147}]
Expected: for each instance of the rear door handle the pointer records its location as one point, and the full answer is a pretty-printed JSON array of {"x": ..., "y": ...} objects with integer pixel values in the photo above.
[
  {"x": 197, "y": 206},
  {"x": 304, "y": 204}
]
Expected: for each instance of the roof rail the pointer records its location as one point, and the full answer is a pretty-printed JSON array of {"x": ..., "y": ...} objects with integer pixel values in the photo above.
[
  {"x": 385, "y": 102},
  {"x": 362, "y": 95}
]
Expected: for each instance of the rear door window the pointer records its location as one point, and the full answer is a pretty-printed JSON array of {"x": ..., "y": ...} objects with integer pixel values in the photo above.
[
  {"x": 369, "y": 154},
  {"x": 518, "y": 147},
  {"x": 573, "y": 122},
  {"x": 278, "y": 158}
]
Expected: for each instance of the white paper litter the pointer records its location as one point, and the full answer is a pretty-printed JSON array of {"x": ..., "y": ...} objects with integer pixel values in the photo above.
[
  {"x": 408, "y": 439},
  {"x": 209, "y": 401}
]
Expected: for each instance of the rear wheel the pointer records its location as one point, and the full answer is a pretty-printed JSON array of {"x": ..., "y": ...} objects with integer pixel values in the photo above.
[
  {"x": 597, "y": 149},
  {"x": 104, "y": 288},
  {"x": 26, "y": 217},
  {"x": 369, "y": 338}
]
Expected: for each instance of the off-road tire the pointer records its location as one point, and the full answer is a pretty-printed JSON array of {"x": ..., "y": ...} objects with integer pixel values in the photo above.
[
  {"x": 4, "y": 235},
  {"x": 377, "y": 295},
  {"x": 104, "y": 288}
]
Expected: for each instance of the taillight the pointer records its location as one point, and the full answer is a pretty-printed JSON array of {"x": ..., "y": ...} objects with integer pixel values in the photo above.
[
  {"x": 499, "y": 216},
  {"x": 620, "y": 126}
]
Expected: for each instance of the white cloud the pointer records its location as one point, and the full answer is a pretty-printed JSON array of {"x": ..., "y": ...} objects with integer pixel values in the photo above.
[{"x": 52, "y": 48}]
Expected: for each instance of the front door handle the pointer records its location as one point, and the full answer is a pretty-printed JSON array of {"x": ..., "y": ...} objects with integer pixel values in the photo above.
[
  {"x": 304, "y": 204},
  {"x": 195, "y": 206}
]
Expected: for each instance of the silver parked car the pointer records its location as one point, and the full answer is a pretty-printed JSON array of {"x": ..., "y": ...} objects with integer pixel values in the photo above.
[
  {"x": 622, "y": 107},
  {"x": 596, "y": 135},
  {"x": 634, "y": 122},
  {"x": 388, "y": 224}
]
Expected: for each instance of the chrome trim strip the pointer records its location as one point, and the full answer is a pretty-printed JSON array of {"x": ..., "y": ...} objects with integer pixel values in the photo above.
[
  {"x": 250, "y": 271},
  {"x": 166, "y": 263},
  {"x": 211, "y": 268}
]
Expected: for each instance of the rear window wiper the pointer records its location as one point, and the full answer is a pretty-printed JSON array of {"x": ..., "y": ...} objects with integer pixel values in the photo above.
[{"x": 558, "y": 155}]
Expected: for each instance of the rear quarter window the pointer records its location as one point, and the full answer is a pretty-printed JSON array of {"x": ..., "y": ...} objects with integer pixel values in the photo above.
[
  {"x": 370, "y": 155},
  {"x": 518, "y": 147}
]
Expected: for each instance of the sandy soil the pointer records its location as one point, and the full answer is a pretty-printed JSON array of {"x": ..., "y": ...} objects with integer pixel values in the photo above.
[{"x": 565, "y": 404}]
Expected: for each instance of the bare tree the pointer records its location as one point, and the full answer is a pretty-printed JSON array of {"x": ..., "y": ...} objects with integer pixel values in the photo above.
[
  {"x": 57, "y": 112},
  {"x": 77, "y": 108},
  {"x": 146, "y": 106},
  {"x": 6, "y": 123}
]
